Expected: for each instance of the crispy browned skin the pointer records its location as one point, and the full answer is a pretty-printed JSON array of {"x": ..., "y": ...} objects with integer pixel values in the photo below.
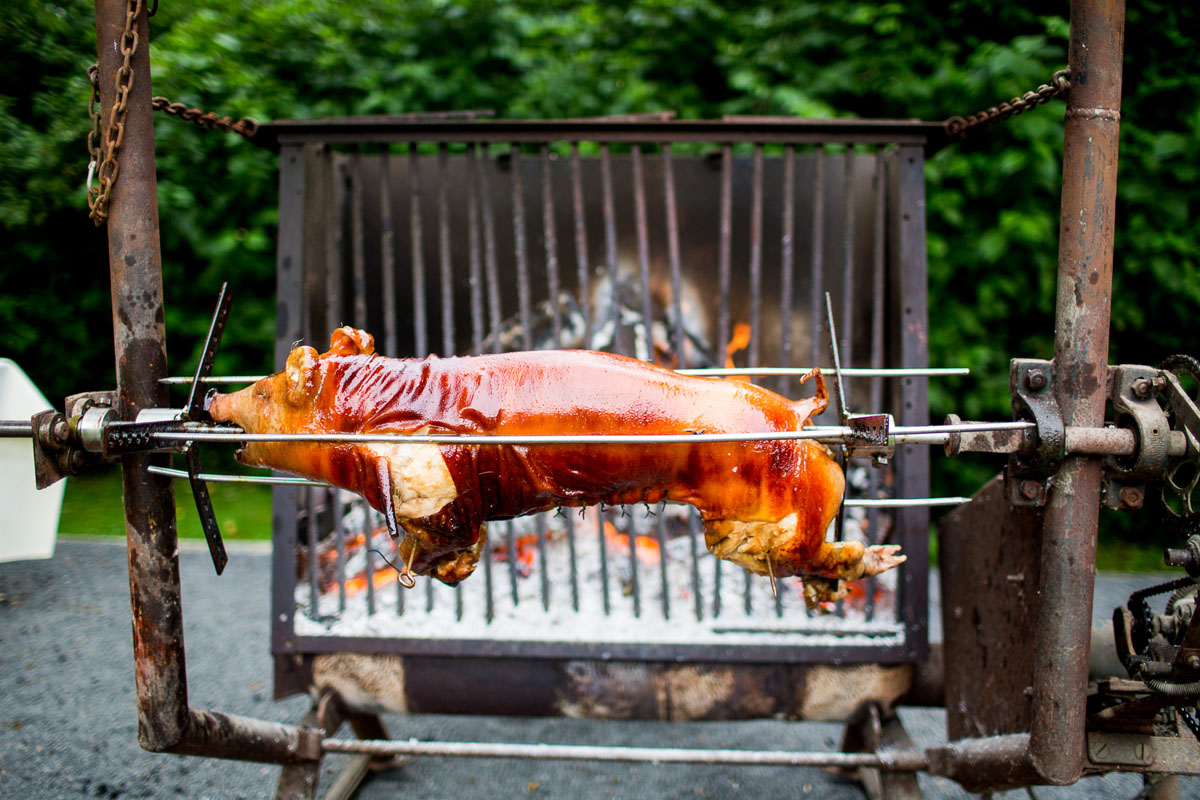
[{"x": 766, "y": 504}]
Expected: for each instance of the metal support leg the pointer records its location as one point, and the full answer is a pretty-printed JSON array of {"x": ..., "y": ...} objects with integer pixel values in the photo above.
[
  {"x": 328, "y": 713},
  {"x": 870, "y": 731}
]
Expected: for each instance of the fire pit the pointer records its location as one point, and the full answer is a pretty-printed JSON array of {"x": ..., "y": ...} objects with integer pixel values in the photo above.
[{"x": 691, "y": 244}]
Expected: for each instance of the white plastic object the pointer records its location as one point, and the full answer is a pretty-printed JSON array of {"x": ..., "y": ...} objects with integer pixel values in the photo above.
[{"x": 29, "y": 522}]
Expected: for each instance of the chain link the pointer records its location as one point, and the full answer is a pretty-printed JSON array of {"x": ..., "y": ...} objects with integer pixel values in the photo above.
[
  {"x": 244, "y": 127},
  {"x": 1060, "y": 84},
  {"x": 108, "y": 167}
]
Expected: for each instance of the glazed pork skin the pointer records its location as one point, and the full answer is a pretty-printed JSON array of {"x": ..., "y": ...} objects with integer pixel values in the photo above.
[{"x": 766, "y": 505}]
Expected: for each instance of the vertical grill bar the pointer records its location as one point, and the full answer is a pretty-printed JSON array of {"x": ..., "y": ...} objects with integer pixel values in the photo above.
[
  {"x": 756, "y": 228},
  {"x": 387, "y": 252},
  {"x": 603, "y": 560},
  {"x": 552, "y": 279},
  {"x": 333, "y": 254},
  {"x": 693, "y": 533},
  {"x": 551, "y": 240},
  {"x": 674, "y": 262},
  {"x": 491, "y": 268},
  {"x": 660, "y": 528},
  {"x": 817, "y": 293},
  {"x": 339, "y": 540},
  {"x": 845, "y": 324},
  {"x": 817, "y": 289},
  {"x": 877, "y": 289},
  {"x": 525, "y": 301},
  {"x": 752, "y": 355},
  {"x": 787, "y": 258},
  {"x": 631, "y": 535},
  {"x": 610, "y": 251},
  {"x": 724, "y": 279},
  {"x": 358, "y": 239},
  {"x": 447, "y": 291},
  {"x": 522, "y": 255},
  {"x": 787, "y": 262},
  {"x": 369, "y": 560},
  {"x": 511, "y": 541},
  {"x": 447, "y": 276},
  {"x": 489, "y": 606},
  {"x": 310, "y": 530},
  {"x": 673, "y": 257},
  {"x": 421, "y": 342},
  {"x": 477, "y": 327},
  {"x": 474, "y": 256},
  {"x": 610, "y": 243},
  {"x": 581, "y": 250},
  {"x": 643, "y": 244}
]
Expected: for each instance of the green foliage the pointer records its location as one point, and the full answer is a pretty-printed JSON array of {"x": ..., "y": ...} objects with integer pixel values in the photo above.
[{"x": 992, "y": 201}]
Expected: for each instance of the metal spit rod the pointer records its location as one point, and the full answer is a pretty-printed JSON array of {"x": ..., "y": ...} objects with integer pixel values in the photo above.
[
  {"x": 831, "y": 434},
  {"x": 710, "y": 372},
  {"x": 283, "y": 480},
  {"x": 891, "y": 760}
]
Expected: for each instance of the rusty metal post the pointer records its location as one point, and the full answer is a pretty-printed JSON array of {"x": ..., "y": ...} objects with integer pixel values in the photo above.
[
  {"x": 165, "y": 722},
  {"x": 139, "y": 339},
  {"x": 1068, "y": 561}
]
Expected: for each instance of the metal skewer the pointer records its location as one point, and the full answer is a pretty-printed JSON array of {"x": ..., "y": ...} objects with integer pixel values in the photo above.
[
  {"x": 828, "y": 434},
  {"x": 896, "y": 502},
  {"x": 710, "y": 372}
]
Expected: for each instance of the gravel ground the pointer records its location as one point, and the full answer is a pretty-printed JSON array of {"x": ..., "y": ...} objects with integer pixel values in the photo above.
[{"x": 68, "y": 721}]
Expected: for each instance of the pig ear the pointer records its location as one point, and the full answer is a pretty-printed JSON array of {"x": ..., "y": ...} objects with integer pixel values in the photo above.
[
  {"x": 347, "y": 341},
  {"x": 301, "y": 372}
]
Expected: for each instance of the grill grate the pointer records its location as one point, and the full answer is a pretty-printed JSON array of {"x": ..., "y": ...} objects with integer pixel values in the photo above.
[{"x": 695, "y": 232}]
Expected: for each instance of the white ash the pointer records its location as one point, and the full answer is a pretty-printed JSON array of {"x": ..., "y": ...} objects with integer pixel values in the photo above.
[{"x": 434, "y": 611}]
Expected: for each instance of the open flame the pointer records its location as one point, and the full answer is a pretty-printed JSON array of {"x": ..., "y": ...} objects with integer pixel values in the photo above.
[
  {"x": 646, "y": 547},
  {"x": 358, "y": 583},
  {"x": 738, "y": 342}
]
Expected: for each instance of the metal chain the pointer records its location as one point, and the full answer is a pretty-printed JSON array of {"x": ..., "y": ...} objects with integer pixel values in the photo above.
[
  {"x": 107, "y": 168},
  {"x": 244, "y": 127},
  {"x": 1060, "y": 84}
]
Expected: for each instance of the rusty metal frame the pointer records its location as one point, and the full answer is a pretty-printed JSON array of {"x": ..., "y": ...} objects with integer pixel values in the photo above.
[{"x": 1054, "y": 750}]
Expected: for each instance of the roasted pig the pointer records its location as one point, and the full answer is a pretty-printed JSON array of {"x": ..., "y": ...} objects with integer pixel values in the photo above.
[{"x": 766, "y": 505}]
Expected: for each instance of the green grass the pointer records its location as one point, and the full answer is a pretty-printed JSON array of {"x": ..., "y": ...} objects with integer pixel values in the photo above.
[{"x": 93, "y": 507}]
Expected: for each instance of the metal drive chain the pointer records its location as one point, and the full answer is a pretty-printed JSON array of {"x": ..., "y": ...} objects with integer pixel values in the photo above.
[
  {"x": 244, "y": 127},
  {"x": 1060, "y": 84},
  {"x": 104, "y": 165}
]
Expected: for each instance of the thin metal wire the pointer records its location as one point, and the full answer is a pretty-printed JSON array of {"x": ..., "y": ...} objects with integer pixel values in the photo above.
[
  {"x": 724, "y": 281},
  {"x": 674, "y": 260},
  {"x": 756, "y": 332},
  {"x": 852, "y": 502}
]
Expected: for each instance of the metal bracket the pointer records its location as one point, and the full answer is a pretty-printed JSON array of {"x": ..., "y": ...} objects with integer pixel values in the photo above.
[
  {"x": 870, "y": 436},
  {"x": 1143, "y": 753},
  {"x": 1135, "y": 406},
  {"x": 1031, "y": 386}
]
